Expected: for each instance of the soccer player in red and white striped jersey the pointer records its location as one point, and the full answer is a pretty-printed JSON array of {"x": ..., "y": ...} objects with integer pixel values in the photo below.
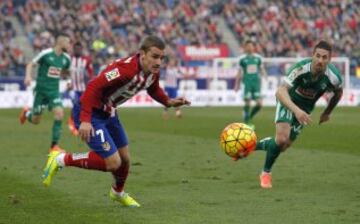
[
  {"x": 81, "y": 71},
  {"x": 100, "y": 126}
]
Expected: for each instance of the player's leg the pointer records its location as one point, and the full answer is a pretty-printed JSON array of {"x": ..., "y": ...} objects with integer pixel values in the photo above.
[
  {"x": 75, "y": 113},
  {"x": 58, "y": 112},
  {"x": 33, "y": 115},
  {"x": 273, "y": 146},
  {"x": 120, "y": 175},
  {"x": 103, "y": 155},
  {"x": 247, "y": 98},
  {"x": 174, "y": 94},
  {"x": 256, "y": 95}
]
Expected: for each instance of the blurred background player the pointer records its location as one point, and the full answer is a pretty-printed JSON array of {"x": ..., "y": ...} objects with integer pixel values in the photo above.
[
  {"x": 53, "y": 63},
  {"x": 304, "y": 84},
  {"x": 171, "y": 86},
  {"x": 100, "y": 126},
  {"x": 249, "y": 73},
  {"x": 81, "y": 71}
]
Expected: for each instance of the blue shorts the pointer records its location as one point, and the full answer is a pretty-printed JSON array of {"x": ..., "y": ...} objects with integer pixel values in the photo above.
[
  {"x": 109, "y": 133},
  {"x": 75, "y": 111},
  {"x": 171, "y": 92}
]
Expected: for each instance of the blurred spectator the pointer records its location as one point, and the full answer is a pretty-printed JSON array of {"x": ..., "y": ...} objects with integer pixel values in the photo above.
[{"x": 282, "y": 28}]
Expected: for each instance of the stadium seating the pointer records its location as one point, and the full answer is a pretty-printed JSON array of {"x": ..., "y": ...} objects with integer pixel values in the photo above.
[{"x": 114, "y": 28}]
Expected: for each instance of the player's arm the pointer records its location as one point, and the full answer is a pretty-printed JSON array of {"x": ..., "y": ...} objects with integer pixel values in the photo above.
[
  {"x": 325, "y": 116},
  {"x": 282, "y": 94},
  {"x": 263, "y": 70},
  {"x": 28, "y": 74},
  {"x": 159, "y": 95},
  {"x": 92, "y": 98},
  {"x": 65, "y": 72},
  {"x": 238, "y": 79}
]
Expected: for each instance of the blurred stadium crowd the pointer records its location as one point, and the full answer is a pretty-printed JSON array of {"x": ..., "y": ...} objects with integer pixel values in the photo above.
[{"x": 112, "y": 28}]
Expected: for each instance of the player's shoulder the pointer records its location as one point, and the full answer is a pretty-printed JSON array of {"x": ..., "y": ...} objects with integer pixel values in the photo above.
[
  {"x": 242, "y": 57},
  {"x": 45, "y": 52},
  {"x": 301, "y": 66},
  {"x": 67, "y": 56},
  {"x": 258, "y": 56},
  {"x": 130, "y": 64},
  {"x": 334, "y": 74}
]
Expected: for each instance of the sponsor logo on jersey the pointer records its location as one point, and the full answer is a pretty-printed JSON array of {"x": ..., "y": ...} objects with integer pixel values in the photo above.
[
  {"x": 306, "y": 93},
  {"x": 54, "y": 72},
  {"x": 113, "y": 74}
]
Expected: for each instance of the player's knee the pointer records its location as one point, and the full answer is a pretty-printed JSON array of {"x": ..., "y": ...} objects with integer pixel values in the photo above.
[
  {"x": 125, "y": 161},
  {"x": 113, "y": 165},
  {"x": 58, "y": 115},
  {"x": 282, "y": 141}
]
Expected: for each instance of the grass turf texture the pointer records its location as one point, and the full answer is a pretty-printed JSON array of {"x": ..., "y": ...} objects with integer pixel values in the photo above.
[{"x": 180, "y": 175}]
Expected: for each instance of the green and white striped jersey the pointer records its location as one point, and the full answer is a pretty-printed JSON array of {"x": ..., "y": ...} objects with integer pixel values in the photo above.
[
  {"x": 304, "y": 91},
  {"x": 50, "y": 67}
]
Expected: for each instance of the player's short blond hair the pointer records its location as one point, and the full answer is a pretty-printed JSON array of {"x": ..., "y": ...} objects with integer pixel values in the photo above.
[{"x": 152, "y": 41}]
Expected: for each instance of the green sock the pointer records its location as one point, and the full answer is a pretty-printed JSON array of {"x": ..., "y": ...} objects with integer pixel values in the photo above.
[
  {"x": 56, "y": 131},
  {"x": 254, "y": 111},
  {"x": 246, "y": 113},
  {"x": 262, "y": 144},
  {"x": 29, "y": 115},
  {"x": 272, "y": 152}
]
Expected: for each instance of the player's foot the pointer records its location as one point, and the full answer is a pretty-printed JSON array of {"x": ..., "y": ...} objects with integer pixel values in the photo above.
[
  {"x": 72, "y": 127},
  {"x": 178, "y": 114},
  {"x": 22, "y": 116},
  {"x": 124, "y": 199},
  {"x": 56, "y": 148},
  {"x": 51, "y": 167},
  {"x": 265, "y": 180}
]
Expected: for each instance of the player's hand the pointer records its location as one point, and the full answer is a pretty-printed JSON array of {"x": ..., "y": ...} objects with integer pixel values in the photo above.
[
  {"x": 86, "y": 130},
  {"x": 324, "y": 117},
  {"x": 69, "y": 86},
  {"x": 179, "y": 101},
  {"x": 27, "y": 81},
  {"x": 303, "y": 117}
]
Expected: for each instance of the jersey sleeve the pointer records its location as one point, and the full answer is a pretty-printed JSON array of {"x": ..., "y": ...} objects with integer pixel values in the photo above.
[
  {"x": 93, "y": 95},
  {"x": 39, "y": 57},
  {"x": 335, "y": 77},
  {"x": 295, "y": 71},
  {"x": 157, "y": 93},
  {"x": 68, "y": 62}
]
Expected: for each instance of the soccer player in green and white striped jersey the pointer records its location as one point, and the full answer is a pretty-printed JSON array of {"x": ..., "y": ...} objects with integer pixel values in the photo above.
[
  {"x": 53, "y": 64},
  {"x": 251, "y": 65},
  {"x": 304, "y": 84}
]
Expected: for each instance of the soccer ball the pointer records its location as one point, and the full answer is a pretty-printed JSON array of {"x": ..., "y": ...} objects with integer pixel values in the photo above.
[{"x": 237, "y": 140}]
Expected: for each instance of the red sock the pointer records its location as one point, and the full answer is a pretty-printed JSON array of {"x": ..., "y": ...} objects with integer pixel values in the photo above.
[
  {"x": 120, "y": 176},
  {"x": 88, "y": 160}
]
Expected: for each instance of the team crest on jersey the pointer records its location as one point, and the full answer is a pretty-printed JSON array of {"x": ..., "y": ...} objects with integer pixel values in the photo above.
[
  {"x": 113, "y": 74},
  {"x": 106, "y": 146}
]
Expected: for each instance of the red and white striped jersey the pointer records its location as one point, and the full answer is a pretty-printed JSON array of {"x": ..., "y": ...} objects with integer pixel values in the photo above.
[
  {"x": 81, "y": 71},
  {"x": 117, "y": 83}
]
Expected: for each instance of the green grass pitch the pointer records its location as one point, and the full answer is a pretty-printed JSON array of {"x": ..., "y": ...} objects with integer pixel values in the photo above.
[{"x": 180, "y": 175}]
